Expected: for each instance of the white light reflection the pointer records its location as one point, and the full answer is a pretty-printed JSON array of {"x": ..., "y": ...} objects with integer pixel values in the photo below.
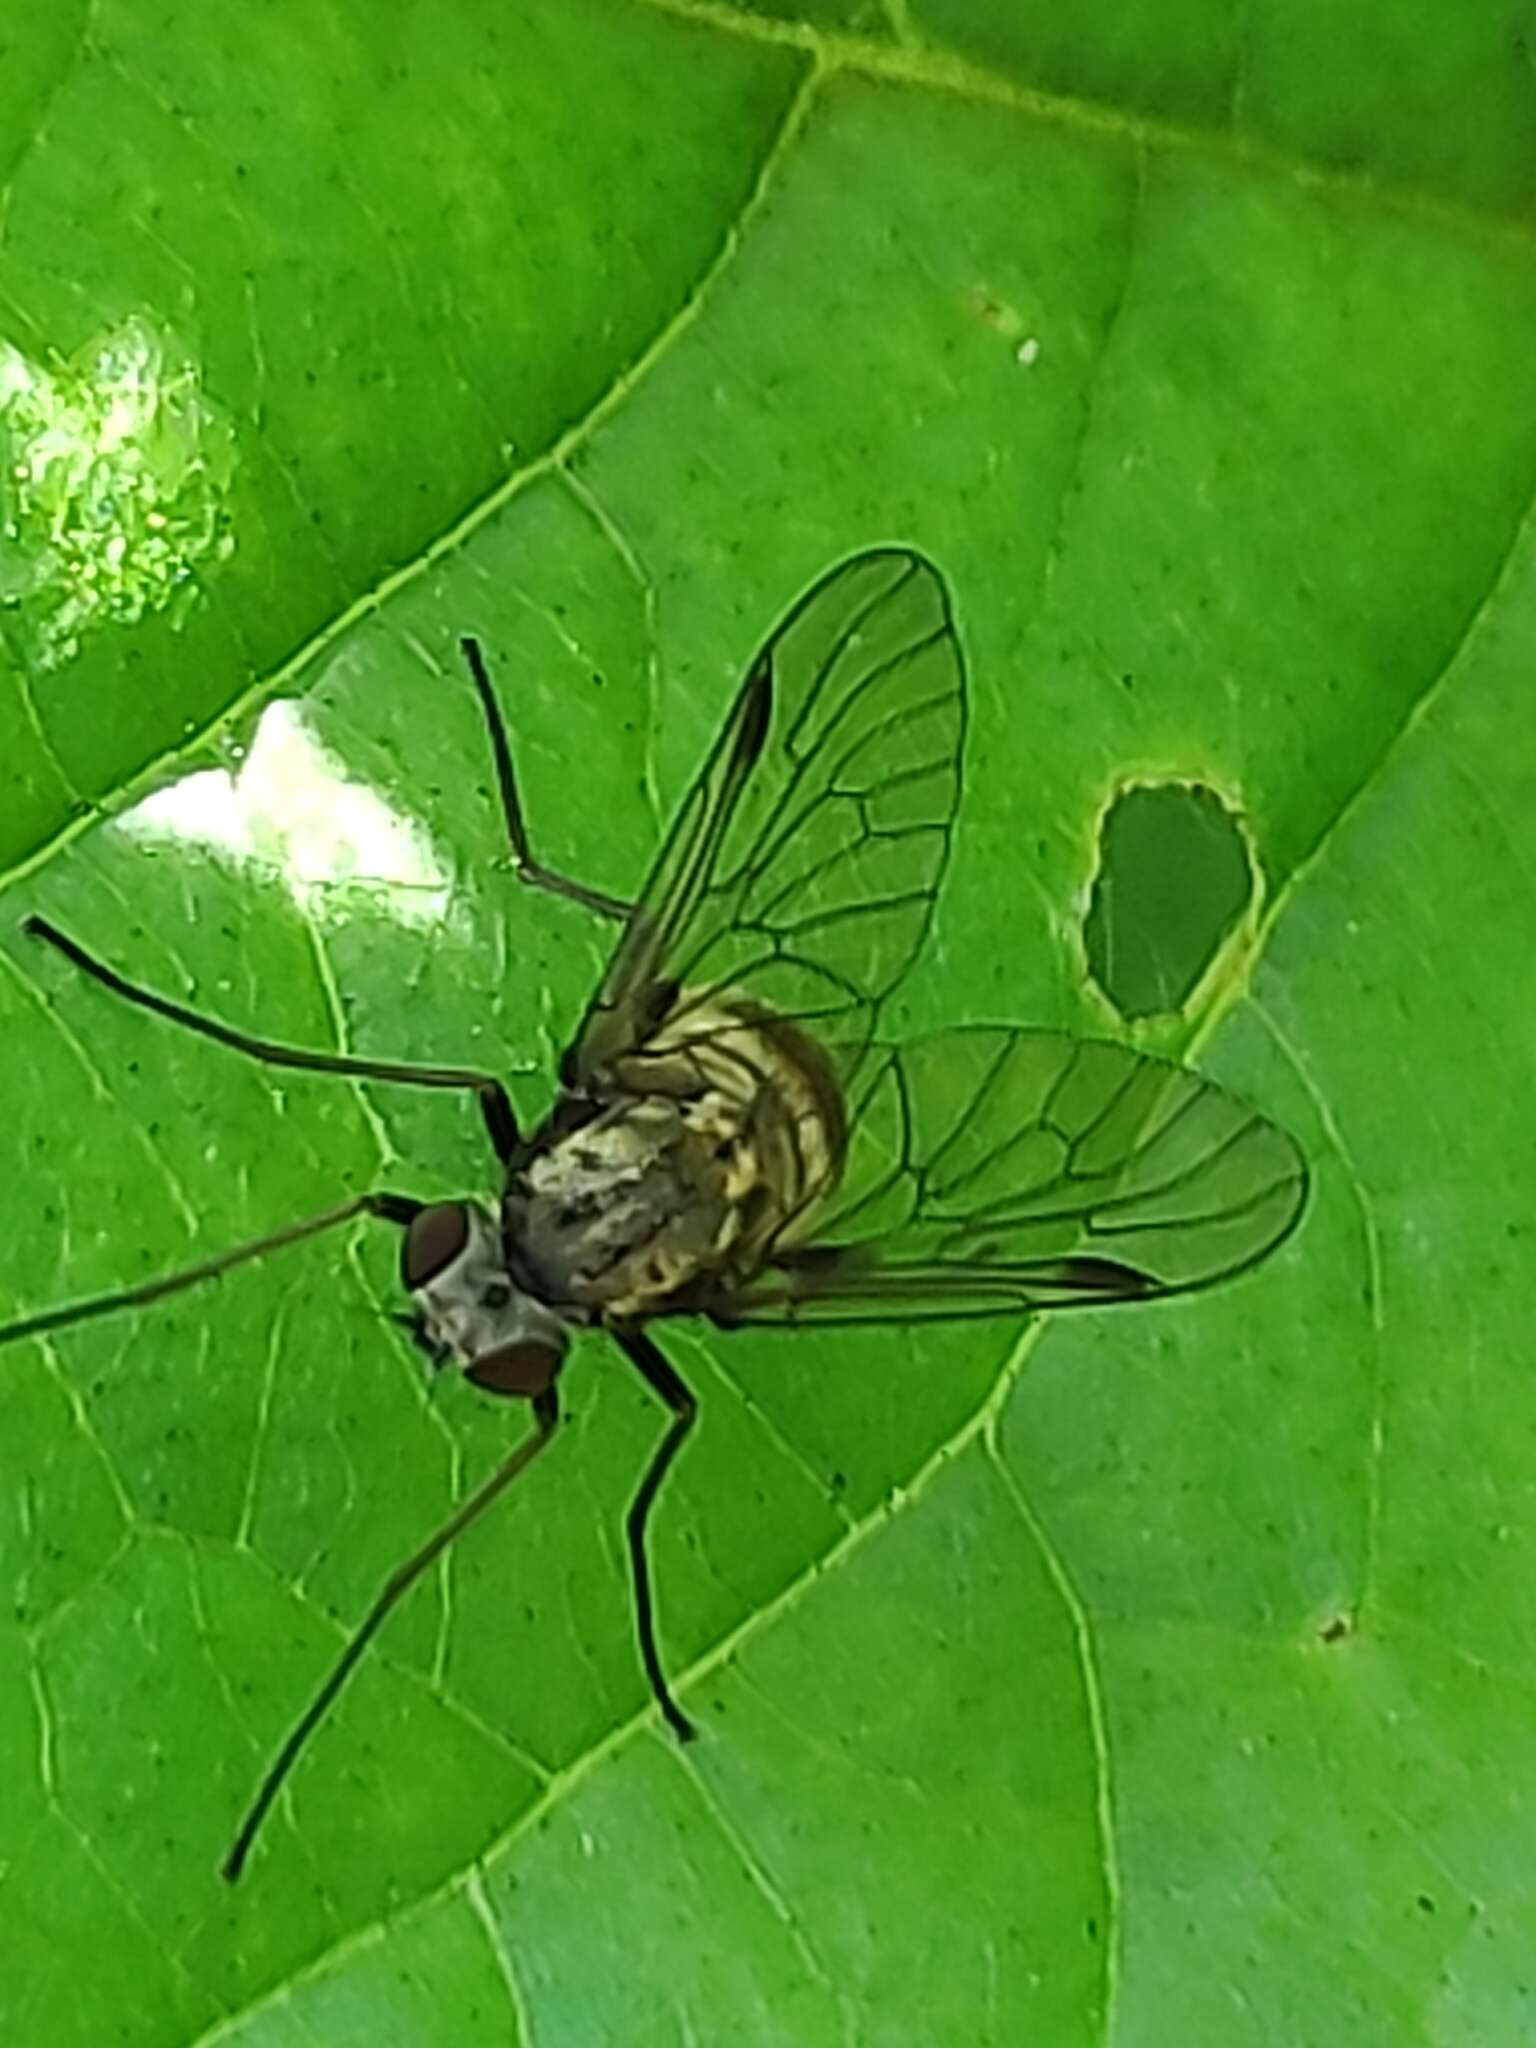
[
  {"x": 115, "y": 478},
  {"x": 292, "y": 810}
]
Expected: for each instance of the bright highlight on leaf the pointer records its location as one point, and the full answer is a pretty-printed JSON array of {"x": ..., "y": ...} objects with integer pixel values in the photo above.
[
  {"x": 292, "y": 809},
  {"x": 114, "y": 480}
]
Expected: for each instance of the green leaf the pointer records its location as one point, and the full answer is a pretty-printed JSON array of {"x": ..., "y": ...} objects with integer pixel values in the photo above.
[{"x": 1050, "y": 1682}]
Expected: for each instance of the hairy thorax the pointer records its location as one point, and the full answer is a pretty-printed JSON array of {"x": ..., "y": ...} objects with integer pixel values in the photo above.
[{"x": 688, "y": 1163}]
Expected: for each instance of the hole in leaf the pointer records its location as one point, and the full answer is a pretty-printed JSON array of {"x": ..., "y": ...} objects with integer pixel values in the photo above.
[{"x": 1174, "y": 879}]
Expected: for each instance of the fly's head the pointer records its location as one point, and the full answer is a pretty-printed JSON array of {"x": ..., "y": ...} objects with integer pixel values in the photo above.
[{"x": 468, "y": 1309}]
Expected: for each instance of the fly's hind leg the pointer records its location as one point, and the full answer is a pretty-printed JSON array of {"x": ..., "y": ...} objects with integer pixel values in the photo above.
[
  {"x": 669, "y": 1388},
  {"x": 528, "y": 869}
]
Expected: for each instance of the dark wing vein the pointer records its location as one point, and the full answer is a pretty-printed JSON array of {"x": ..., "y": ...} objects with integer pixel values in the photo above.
[
  {"x": 803, "y": 863},
  {"x": 989, "y": 1167}
]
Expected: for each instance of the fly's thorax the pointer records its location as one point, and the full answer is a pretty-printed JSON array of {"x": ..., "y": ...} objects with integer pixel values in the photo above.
[
  {"x": 469, "y": 1309},
  {"x": 705, "y": 1149}
]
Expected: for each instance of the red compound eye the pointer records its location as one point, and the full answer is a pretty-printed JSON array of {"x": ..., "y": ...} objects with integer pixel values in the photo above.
[
  {"x": 519, "y": 1370},
  {"x": 433, "y": 1240}
]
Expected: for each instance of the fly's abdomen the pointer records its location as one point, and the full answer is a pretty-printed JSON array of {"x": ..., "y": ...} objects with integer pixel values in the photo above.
[{"x": 715, "y": 1149}]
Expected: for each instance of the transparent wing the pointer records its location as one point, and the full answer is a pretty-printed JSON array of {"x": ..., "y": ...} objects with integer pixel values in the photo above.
[
  {"x": 801, "y": 869},
  {"x": 993, "y": 1171}
]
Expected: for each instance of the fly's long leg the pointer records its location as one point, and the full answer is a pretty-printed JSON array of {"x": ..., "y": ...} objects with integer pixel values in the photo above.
[
  {"x": 528, "y": 869},
  {"x": 391, "y": 1208},
  {"x": 546, "y": 1412},
  {"x": 666, "y": 1384},
  {"x": 497, "y": 1110}
]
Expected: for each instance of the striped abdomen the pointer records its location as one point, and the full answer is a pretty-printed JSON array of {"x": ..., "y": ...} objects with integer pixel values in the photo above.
[{"x": 704, "y": 1150}]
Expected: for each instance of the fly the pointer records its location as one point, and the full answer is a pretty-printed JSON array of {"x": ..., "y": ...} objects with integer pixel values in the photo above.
[{"x": 733, "y": 1136}]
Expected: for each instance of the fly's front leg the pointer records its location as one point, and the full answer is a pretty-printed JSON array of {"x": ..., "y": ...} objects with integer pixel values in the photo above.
[
  {"x": 400, "y": 1210},
  {"x": 528, "y": 869},
  {"x": 495, "y": 1107},
  {"x": 546, "y": 1417}
]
